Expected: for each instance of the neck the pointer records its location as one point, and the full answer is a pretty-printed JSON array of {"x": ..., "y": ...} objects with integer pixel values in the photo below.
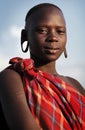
[
  {"x": 50, "y": 68},
  {"x": 44, "y": 65}
]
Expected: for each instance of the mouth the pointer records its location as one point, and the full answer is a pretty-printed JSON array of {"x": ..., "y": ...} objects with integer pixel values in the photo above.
[{"x": 52, "y": 50}]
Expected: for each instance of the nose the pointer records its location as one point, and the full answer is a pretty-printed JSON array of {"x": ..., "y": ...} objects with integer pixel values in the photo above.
[{"x": 52, "y": 36}]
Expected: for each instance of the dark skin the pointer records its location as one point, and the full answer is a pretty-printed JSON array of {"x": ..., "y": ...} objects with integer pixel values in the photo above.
[
  {"x": 46, "y": 36},
  {"x": 50, "y": 41},
  {"x": 47, "y": 41}
]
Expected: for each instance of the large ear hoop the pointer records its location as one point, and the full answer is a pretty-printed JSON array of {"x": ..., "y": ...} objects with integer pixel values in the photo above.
[
  {"x": 23, "y": 40},
  {"x": 65, "y": 53}
]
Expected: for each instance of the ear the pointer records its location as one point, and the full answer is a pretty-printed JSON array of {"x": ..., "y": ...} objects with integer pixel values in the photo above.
[
  {"x": 23, "y": 36},
  {"x": 24, "y": 40}
]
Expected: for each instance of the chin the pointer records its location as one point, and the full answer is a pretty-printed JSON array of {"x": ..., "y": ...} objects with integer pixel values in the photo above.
[{"x": 50, "y": 59}]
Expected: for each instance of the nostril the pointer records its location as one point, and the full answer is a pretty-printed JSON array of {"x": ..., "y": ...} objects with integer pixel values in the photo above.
[{"x": 52, "y": 39}]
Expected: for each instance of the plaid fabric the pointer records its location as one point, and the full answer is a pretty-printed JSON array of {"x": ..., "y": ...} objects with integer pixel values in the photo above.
[{"x": 54, "y": 104}]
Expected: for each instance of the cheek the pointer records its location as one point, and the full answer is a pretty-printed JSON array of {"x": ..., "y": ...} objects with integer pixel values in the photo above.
[
  {"x": 64, "y": 40},
  {"x": 34, "y": 42},
  {"x": 63, "y": 43},
  {"x": 33, "y": 38}
]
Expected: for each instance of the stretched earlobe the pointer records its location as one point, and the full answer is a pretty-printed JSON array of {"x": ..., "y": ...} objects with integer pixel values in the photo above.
[
  {"x": 65, "y": 53},
  {"x": 24, "y": 46},
  {"x": 24, "y": 41}
]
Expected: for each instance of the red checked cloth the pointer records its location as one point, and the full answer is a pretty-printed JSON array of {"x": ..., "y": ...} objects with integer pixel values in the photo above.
[{"x": 54, "y": 104}]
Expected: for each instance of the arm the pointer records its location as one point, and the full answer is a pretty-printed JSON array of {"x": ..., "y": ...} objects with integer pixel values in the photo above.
[{"x": 13, "y": 101}]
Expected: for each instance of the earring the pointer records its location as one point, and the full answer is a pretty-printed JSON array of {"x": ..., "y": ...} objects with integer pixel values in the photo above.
[
  {"x": 24, "y": 46},
  {"x": 65, "y": 53}
]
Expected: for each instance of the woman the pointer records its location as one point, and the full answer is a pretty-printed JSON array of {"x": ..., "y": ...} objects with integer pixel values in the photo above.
[{"x": 33, "y": 95}]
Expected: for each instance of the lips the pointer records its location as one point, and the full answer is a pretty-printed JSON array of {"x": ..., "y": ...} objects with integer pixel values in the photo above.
[{"x": 52, "y": 50}]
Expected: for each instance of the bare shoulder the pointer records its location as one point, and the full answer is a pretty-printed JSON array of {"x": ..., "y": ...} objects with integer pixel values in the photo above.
[
  {"x": 7, "y": 73},
  {"x": 9, "y": 80},
  {"x": 9, "y": 76},
  {"x": 14, "y": 103},
  {"x": 76, "y": 84}
]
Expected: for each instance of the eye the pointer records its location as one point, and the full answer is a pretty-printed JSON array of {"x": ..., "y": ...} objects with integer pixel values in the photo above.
[
  {"x": 61, "y": 32},
  {"x": 42, "y": 30}
]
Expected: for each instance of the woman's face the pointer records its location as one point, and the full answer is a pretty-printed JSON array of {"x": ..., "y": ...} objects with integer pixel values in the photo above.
[{"x": 46, "y": 32}]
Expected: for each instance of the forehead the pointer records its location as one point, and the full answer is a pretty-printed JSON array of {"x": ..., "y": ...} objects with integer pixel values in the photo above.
[{"x": 46, "y": 14}]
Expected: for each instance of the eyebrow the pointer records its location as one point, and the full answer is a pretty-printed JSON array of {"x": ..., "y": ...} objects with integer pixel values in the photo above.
[{"x": 43, "y": 25}]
